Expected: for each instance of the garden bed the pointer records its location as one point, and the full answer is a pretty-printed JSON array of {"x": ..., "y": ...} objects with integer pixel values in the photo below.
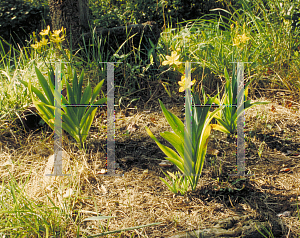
[{"x": 140, "y": 197}]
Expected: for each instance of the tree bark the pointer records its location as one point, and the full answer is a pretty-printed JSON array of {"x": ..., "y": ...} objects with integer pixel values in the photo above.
[{"x": 72, "y": 15}]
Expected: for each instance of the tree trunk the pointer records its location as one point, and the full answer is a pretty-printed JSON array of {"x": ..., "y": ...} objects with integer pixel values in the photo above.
[{"x": 72, "y": 15}]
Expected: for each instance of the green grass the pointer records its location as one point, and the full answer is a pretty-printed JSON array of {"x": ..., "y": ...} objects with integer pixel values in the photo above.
[{"x": 23, "y": 217}]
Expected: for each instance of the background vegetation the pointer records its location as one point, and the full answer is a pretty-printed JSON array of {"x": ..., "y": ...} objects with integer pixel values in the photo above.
[{"x": 200, "y": 35}]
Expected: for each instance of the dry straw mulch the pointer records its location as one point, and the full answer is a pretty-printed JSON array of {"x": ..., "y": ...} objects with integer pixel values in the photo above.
[{"x": 140, "y": 197}]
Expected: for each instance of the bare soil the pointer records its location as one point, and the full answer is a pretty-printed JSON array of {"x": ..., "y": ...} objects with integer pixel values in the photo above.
[{"x": 221, "y": 206}]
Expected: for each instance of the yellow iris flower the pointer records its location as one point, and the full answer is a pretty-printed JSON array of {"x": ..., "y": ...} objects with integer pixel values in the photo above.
[
  {"x": 57, "y": 32},
  {"x": 44, "y": 41},
  {"x": 36, "y": 46},
  {"x": 173, "y": 59},
  {"x": 240, "y": 39},
  {"x": 45, "y": 32},
  {"x": 57, "y": 39},
  {"x": 183, "y": 85}
]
